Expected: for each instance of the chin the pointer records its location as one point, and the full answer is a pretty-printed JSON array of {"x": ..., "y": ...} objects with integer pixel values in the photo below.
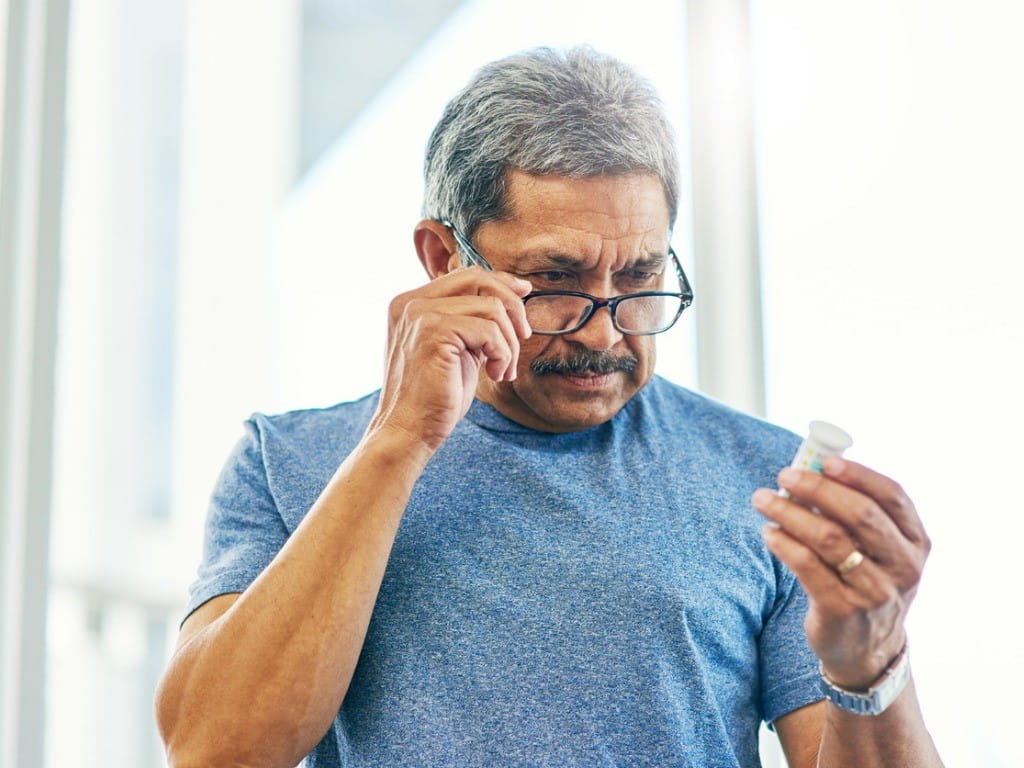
[
  {"x": 555, "y": 406},
  {"x": 562, "y": 421},
  {"x": 549, "y": 403}
]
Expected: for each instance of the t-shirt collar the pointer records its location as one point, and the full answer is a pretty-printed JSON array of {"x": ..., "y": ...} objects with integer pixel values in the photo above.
[{"x": 490, "y": 418}]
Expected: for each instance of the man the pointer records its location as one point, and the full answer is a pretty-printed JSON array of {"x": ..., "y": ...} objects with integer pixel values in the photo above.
[{"x": 527, "y": 549}]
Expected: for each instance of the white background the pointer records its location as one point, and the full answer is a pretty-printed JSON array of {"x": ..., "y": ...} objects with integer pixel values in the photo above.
[{"x": 890, "y": 173}]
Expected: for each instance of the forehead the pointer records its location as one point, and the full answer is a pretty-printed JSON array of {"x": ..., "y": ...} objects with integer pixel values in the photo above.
[
  {"x": 613, "y": 206},
  {"x": 599, "y": 223}
]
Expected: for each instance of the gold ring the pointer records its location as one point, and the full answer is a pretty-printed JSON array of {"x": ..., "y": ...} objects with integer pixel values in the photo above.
[{"x": 852, "y": 560}]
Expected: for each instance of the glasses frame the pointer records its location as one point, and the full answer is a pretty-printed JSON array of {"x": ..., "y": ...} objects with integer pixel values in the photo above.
[{"x": 471, "y": 257}]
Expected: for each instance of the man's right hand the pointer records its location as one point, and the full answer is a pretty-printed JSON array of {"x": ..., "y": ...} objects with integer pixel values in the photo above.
[
  {"x": 439, "y": 337},
  {"x": 283, "y": 652}
]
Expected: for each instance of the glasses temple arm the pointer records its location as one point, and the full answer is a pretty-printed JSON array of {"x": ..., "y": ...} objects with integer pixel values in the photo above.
[
  {"x": 466, "y": 248},
  {"x": 683, "y": 282}
]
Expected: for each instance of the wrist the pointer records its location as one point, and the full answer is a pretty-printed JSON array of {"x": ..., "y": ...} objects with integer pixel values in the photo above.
[
  {"x": 876, "y": 697},
  {"x": 392, "y": 443},
  {"x": 862, "y": 673}
]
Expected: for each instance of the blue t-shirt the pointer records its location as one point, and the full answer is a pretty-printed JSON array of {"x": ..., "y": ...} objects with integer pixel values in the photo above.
[{"x": 598, "y": 598}]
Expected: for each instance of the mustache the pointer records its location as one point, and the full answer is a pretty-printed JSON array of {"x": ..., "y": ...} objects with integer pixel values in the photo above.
[{"x": 596, "y": 362}]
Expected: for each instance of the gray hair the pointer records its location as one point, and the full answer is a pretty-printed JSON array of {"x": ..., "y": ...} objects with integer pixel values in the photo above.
[{"x": 577, "y": 113}]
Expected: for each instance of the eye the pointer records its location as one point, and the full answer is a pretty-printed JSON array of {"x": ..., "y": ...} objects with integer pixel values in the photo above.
[
  {"x": 640, "y": 275},
  {"x": 552, "y": 276}
]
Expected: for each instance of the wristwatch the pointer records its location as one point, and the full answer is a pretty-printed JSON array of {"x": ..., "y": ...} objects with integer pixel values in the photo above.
[{"x": 876, "y": 699}]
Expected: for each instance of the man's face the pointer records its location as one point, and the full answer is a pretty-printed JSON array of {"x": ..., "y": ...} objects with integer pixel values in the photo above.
[{"x": 599, "y": 236}]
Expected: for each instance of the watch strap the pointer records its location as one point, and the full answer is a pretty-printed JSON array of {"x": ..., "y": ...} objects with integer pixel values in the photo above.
[{"x": 876, "y": 699}]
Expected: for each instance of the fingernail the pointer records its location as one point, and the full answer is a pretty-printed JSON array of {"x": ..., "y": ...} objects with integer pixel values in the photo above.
[
  {"x": 832, "y": 465},
  {"x": 788, "y": 476},
  {"x": 762, "y": 497}
]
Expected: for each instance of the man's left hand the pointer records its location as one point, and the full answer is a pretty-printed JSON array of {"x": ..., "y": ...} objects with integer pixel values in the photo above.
[{"x": 855, "y": 623}]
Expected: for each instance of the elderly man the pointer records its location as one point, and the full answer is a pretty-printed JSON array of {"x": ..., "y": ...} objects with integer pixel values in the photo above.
[{"x": 527, "y": 549}]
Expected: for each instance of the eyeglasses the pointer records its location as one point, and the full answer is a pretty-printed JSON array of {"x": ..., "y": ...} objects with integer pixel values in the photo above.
[{"x": 553, "y": 313}]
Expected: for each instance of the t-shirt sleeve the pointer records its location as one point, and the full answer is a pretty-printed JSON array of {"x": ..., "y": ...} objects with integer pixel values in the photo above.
[
  {"x": 789, "y": 668},
  {"x": 244, "y": 530}
]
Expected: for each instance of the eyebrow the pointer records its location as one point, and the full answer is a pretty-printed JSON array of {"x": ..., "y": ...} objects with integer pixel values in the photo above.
[{"x": 533, "y": 261}]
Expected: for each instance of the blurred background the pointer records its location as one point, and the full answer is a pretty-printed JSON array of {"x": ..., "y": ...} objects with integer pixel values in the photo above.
[{"x": 205, "y": 207}]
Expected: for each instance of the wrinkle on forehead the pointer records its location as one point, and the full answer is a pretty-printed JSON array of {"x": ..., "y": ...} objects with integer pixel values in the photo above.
[
  {"x": 610, "y": 221},
  {"x": 544, "y": 258},
  {"x": 611, "y": 203}
]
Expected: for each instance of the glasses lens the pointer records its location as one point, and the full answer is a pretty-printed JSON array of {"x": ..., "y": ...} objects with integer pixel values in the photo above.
[
  {"x": 549, "y": 314},
  {"x": 647, "y": 314}
]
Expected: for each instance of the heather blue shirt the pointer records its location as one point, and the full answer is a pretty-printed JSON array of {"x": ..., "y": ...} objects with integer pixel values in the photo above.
[{"x": 599, "y": 598}]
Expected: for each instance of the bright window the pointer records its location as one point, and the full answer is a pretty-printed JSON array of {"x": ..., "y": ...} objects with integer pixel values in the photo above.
[{"x": 890, "y": 163}]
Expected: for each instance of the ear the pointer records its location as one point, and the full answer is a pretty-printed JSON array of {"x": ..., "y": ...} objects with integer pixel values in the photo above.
[{"x": 436, "y": 248}]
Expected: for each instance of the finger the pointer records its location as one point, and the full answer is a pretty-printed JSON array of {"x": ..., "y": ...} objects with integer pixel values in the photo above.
[
  {"x": 519, "y": 289},
  {"x": 477, "y": 281},
  {"x": 823, "y": 585},
  {"x": 485, "y": 308},
  {"x": 885, "y": 491},
  {"x": 518, "y": 285},
  {"x": 820, "y": 582},
  {"x": 873, "y": 529},
  {"x": 475, "y": 335},
  {"x": 828, "y": 540},
  {"x": 482, "y": 307}
]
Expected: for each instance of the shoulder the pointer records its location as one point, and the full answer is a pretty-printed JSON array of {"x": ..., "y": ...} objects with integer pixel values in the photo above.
[
  {"x": 310, "y": 421},
  {"x": 699, "y": 420},
  {"x": 290, "y": 457},
  {"x": 313, "y": 432}
]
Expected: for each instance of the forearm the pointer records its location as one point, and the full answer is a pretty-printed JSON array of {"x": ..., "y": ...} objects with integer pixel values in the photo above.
[
  {"x": 267, "y": 677},
  {"x": 897, "y": 737}
]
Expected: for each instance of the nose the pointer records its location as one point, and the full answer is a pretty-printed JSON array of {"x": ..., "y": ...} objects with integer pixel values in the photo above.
[{"x": 598, "y": 332}]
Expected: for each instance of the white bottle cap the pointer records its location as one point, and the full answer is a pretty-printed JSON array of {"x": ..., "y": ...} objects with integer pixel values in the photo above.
[{"x": 831, "y": 439}]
